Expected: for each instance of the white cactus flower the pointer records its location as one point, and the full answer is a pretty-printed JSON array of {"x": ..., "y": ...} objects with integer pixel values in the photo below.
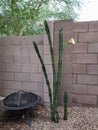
[{"x": 71, "y": 41}]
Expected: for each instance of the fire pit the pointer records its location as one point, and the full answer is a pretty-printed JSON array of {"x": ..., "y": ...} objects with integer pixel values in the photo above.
[{"x": 21, "y": 101}]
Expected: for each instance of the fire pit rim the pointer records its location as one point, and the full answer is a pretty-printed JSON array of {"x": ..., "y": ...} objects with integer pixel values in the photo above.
[{"x": 3, "y": 106}]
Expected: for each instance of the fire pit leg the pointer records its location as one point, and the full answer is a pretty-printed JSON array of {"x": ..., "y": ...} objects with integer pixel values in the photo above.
[{"x": 28, "y": 117}]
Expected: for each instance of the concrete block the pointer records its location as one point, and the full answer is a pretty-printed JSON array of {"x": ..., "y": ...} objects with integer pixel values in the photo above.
[
  {"x": 80, "y": 48},
  {"x": 14, "y": 85},
  {"x": 67, "y": 58},
  {"x": 2, "y": 67},
  {"x": 46, "y": 88},
  {"x": 47, "y": 59},
  {"x": 30, "y": 86},
  {"x": 86, "y": 58},
  {"x": 36, "y": 77},
  {"x": 79, "y": 68},
  {"x": 46, "y": 49},
  {"x": 93, "y": 26},
  {"x": 78, "y": 89},
  {"x": 22, "y": 76},
  {"x": 88, "y": 37},
  {"x": 21, "y": 59},
  {"x": 74, "y": 58},
  {"x": 41, "y": 87},
  {"x": 6, "y": 92},
  {"x": 13, "y": 68},
  {"x": 87, "y": 79},
  {"x": 75, "y": 36},
  {"x": 66, "y": 78},
  {"x": 6, "y": 59},
  {"x": 74, "y": 78},
  {"x": 49, "y": 69},
  {"x": 30, "y": 68},
  {"x": 92, "y": 89},
  {"x": 92, "y": 69},
  {"x": 84, "y": 99},
  {"x": 46, "y": 97},
  {"x": 3, "y": 84},
  {"x": 80, "y": 26},
  {"x": 93, "y": 47},
  {"x": 13, "y": 50},
  {"x": 67, "y": 68},
  {"x": 2, "y": 50},
  {"x": 6, "y": 76}
]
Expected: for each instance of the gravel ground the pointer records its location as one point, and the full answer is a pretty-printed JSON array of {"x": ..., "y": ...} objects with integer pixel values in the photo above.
[{"x": 79, "y": 118}]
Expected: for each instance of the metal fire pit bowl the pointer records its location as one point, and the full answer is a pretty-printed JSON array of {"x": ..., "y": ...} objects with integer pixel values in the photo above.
[{"x": 19, "y": 101}]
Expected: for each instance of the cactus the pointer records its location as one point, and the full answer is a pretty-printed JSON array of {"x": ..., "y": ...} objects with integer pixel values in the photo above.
[
  {"x": 56, "y": 77},
  {"x": 65, "y": 106}
]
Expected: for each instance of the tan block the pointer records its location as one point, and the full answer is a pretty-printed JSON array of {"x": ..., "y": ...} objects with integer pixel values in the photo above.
[
  {"x": 74, "y": 78},
  {"x": 80, "y": 48},
  {"x": 93, "y": 26},
  {"x": 6, "y": 92},
  {"x": 92, "y": 89},
  {"x": 2, "y": 51},
  {"x": 47, "y": 59},
  {"x": 84, "y": 99},
  {"x": 21, "y": 59},
  {"x": 30, "y": 68},
  {"x": 28, "y": 40},
  {"x": 14, "y": 85},
  {"x": 93, "y": 47},
  {"x": 13, "y": 68},
  {"x": 67, "y": 58},
  {"x": 6, "y": 76},
  {"x": 46, "y": 97},
  {"x": 67, "y": 68},
  {"x": 92, "y": 69},
  {"x": 2, "y": 67},
  {"x": 45, "y": 88},
  {"x": 79, "y": 89},
  {"x": 86, "y": 58},
  {"x": 87, "y": 79},
  {"x": 30, "y": 86},
  {"x": 79, "y": 68},
  {"x": 3, "y": 84},
  {"x": 41, "y": 87},
  {"x": 22, "y": 76},
  {"x": 75, "y": 36},
  {"x": 46, "y": 49},
  {"x": 38, "y": 77},
  {"x": 66, "y": 78},
  {"x": 88, "y": 37},
  {"x": 80, "y": 26},
  {"x": 28, "y": 50},
  {"x": 48, "y": 69},
  {"x": 74, "y": 58},
  {"x": 13, "y": 50},
  {"x": 6, "y": 59}
]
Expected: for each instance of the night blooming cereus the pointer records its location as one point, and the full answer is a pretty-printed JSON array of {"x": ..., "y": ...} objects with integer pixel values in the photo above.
[{"x": 69, "y": 42}]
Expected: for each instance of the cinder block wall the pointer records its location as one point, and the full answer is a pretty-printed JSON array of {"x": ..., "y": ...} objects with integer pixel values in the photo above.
[
  {"x": 19, "y": 65},
  {"x": 85, "y": 64}
]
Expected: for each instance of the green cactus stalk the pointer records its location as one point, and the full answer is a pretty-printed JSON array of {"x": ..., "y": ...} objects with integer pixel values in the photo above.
[
  {"x": 56, "y": 77},
  {"x": 65, "y": 105}
]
